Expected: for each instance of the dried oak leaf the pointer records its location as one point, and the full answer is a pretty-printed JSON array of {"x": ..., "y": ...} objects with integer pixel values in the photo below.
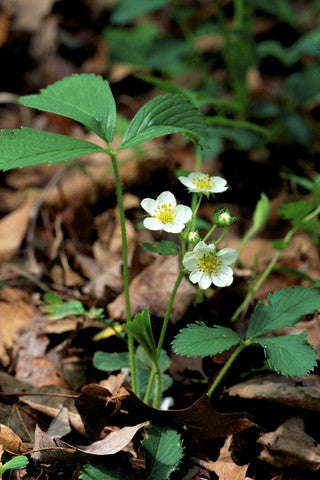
[
  {"x": 98, "y": 408},
  {"x": 10, "y": 442},
  {"x": 291, "y": 446}
]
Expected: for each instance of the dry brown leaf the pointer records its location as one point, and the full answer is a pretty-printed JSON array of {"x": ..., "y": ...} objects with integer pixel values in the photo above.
[
  {"x": 296, "y": 392},
  {"x": 10, "y": 441},
  {"x": 152, "y": 287},
  {"x": 291, "y": 446},
  {"x": 225, "y": 467},
  {"x": 13, "y": 227},
  {"x": 15, "y": 313},
  {"x": 113, "y": 383},
  {"x": 60, "y": 426}
]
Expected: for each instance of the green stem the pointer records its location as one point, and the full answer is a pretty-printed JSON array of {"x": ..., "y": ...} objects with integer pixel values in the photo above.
[
  {"x": 227, "y": 366},
  {"x": 162, "y": 337},
  {"x": 125, "y": 266},
  {"x": 221, "y": 236},
  {"x": 235, "y": 123},
  {"x": 212, "y": 229}
]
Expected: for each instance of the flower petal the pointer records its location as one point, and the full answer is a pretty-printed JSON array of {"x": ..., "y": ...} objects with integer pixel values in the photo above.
[
  {"x": 186, "y": 181},
  {"x": 148, "y": 205},
  {"x": 153, "y": 224},
  {"x": 174, "y": 227},
  {"x": 184, "y": 213},
  {"x": 204, "y": 281},
  {"x": 227, "y": 255},
  {"x": 220, "y": 184},
  {"x": 195, "y": 276},
  {"x": 190, "y": 261},
  {"x": 167, "y": 197},
  {"x": 202, "y": 248},
  {"x": 224, "y": 278}
]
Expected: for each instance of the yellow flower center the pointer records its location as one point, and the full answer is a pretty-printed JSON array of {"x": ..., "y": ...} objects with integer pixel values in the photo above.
[
  {"x": 203, "y": 182},
  {"x": 165, "y": 213},
  {"x": 209, "y": 263}
]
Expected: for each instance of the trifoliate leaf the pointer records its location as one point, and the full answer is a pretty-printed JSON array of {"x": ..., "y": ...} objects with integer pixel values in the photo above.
[
  {"x": 86, "y": 98},
  {"x": 163, "y": 452},
  {"x": 295, "y": 211},
  {"x": 93, "y": 472},
  {"x": 164, "y": 115},
  {"x": 141, "y": 329},
  {"x": 164, "y": 247},
  {"x": 25, "y": 146},
  {"x": 199, "y": 340},
  {"x": 284, "y": 309},
  {"x": 290, "y": 355}
]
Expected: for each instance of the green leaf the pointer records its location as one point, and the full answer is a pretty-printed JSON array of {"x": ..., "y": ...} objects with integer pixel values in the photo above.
[
  {"x": 316, "y": 190},
  {"x": 261, "y": 213},
  {"x": 164, "y": 247},
  {"x": 144, "y": 366},
  {"x": 199, "y": 340},
  {"x": 141, "y": 329},
  {"x": 163, "y": 452},
  {"x": 124, "y": 11},
  {"x": 164, "y": 115},
  {"x": 59, "y": 310},
  {"x": 15, "y": 463},
  {"x": 109, "y": 362},
  {"x": 86, "y": 98},
  {"x": 289, "y": 355},
  {"x": 303, "y": 87},
  {"x": 92, "y": 472},
  {"x": 284, "y": 309},
  {"x": 295, "y": 211},
  {"x": 26, "y": 146}
]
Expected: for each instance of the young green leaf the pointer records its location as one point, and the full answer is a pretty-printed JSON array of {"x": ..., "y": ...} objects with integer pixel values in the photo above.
[
  {"x": 296, "y": 211},
  {"x": 261, "y": 212},
  {"x": 289, "y": 355},
  {"x": 164, "y": 115},
  {"x": 141, "y": 329},
  {"x": 164, "y": 247},
  {"x": 199, "y": 340},
  {"x": 25, "y": 146},
  {"x": 94, "y": 472},
  {"x": 86, "y": 98},
  {"x": 284, "y": 309},
  {"x": 163, "y": 452},
  {"x": 15, "y": 463}
]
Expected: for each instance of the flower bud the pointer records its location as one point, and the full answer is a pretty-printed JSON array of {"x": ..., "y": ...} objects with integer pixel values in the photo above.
[
  {"x": 193, "y": 237},
  {"x": 223, "y": 218}
]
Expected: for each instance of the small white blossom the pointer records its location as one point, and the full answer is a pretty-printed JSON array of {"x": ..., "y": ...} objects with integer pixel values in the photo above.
[
  {"x": 202, "y": 183},
  {"x": 165, "y": 214},
  {"x": 209, "y": 266}
]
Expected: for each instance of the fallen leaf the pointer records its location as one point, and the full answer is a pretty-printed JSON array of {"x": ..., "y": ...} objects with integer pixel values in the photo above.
[
  {"x": 16, "y": 313},
  {"x": 225, "y": 467},
  {"x": 295, "y": 392},
  {"x": 98, "y": 408},
  {"x": 10, "y": 441},
  {"x": 152, "y": 287},
  {"x": 60, "y": 426},
  {"x": 114, "y": 442},
  {"x": 13, "y": 227},
  {"x": 290, "y": 446}
]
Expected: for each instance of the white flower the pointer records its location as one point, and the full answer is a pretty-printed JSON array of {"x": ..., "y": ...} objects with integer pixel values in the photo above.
[
  {"x": 203, "y": 183},
  {"x": 165, "y": 213},
  {"x": 207, "y": 265}
]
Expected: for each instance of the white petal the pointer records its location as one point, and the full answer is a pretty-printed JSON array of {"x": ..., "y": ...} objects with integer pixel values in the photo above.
[
  {"x": 174, "y": 227},
  {"x": 195, "y": 276},
  {"x": 184, "y": 213},
  {"x": 148, "y": 205},
  {"x": 220, "y": 184},
  {"x": 224, "y": 278},
  {"x": 153, "y": 224},
  {"x": 204, "y": 281},
  {"x": 186, "y": 181},
  {"x": 190, "y": 261},
  {"x": 227, "y": 255},
  {"x": 194, "y": 175},
  {"x": 167, "y": 197},
  {"x": 202, "y": 248}
]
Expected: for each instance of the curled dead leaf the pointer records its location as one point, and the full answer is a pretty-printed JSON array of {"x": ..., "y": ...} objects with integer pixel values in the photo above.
[{"x": 10, "y": 442}]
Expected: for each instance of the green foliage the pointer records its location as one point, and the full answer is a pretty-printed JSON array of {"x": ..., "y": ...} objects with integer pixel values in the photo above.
[
  {"x": 284, "y": 309},
  {"x": 141, "y": 329},
  {"x": 24, "y": 147},
  {"x": 290, "y": 355},
  {"x": 108, "y": 362},
  {"x": 56, "y": 308},
  {"x": 124, "y": 11},
  {"x": 296, "y": 212},
  {"x": 282, "y": 9},
  {"x": 94, "y": 472},
  {"x": 199, "y": 340},
  {"x": 164, "y": 247},
  {"x": 86, "y": 98},
  {"x": 15, "y": 463},
  {"x": 261, "y": 213},
  {"x": 302, "y": 87},
  {"x": 163, "y": 452},
  {"x": 164, "y": 115}
]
